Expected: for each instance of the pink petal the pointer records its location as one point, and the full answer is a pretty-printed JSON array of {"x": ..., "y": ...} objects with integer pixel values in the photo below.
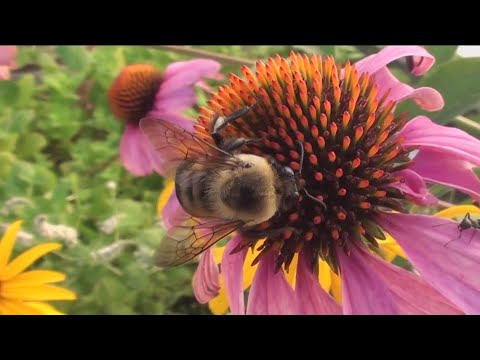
[
  {"x": 451, "y": 267},
  {"x": 447, "y": 169},
  {"x": 206, "y": 281},
  {"x": 232, "y": 271},
  {"x": 176, "y": 92},
  {"x": 363, "y": 289},
  {"x": 388, "y": 54},
  {"x": 409, "y": 293},
  {"x": 426, "y": 98},
  {"x": 312, "y": 299},
  {"x": 270, "y": 293},
  {"x": 7, "y": 60},
  {"x": 136, "y": 154},
  {"x": 8, "y": 54},
  {"x": 173, "y": 213},
  {"x": 421, "y": 132},
  {"x": 177, "y": 119},
  {"x": 415, "y": 188}
]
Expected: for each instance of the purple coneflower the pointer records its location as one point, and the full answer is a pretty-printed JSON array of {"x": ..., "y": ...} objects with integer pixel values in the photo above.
[
  {"x": 8, "y": 54},
  {"x": 358, "y": 161},
  {"x": 141, "y": 90}
]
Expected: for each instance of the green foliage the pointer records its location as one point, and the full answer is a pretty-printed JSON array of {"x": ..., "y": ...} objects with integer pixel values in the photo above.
[{"x": 59, "y": 150}]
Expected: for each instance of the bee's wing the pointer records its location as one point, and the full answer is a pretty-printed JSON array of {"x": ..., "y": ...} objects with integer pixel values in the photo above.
[
  {"x": 174, "y": 144},
  {"x": 193, "y": 237}
]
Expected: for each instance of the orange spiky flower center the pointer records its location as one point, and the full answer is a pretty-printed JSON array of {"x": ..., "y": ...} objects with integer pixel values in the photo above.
[
  {"x": 348, "y": 135},
  {"x": 132, "y": 93}
]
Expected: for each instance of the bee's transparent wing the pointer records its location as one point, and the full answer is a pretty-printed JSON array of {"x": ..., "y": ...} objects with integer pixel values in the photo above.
[
  {"x": 191, "y": 238},
  {"x": 174, "y": 144}
]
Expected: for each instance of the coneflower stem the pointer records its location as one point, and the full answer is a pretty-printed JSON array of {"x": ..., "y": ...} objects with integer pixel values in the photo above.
[
  {"x": 205, "y": 53},
  {"x": 467, "y": 123}
]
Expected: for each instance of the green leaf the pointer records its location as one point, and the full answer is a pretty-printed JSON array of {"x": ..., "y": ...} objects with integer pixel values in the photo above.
[
  {"x": 44, "y": 180},
  {"x": 75, "y": 57},
  {"x": 26, "y": 87},
  {"x": 442, "y": 53},
  {"x": 6, "y": 161},
  {"x": 317, "y": 49},
  {"x": 30, "y": 145},
  {"x": 8, "y": 92},
  {"x": 20, "y": 121},
  {"x": 8, "y": 141},
  {"x": 458, "y": 82}
]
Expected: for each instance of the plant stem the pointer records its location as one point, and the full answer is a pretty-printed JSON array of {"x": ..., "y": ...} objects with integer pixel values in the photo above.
[
  {"x": 205, "y": 53},
  {"x": 469, "y": 123}
]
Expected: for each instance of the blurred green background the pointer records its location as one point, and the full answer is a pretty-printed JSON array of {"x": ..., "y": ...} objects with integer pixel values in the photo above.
[{"x": 59, "y": 163}]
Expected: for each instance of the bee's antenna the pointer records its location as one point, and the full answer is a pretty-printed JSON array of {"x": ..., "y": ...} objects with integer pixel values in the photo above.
[
  {"x": 315, "y": 199},
  {"x": 302, "y": 154}
]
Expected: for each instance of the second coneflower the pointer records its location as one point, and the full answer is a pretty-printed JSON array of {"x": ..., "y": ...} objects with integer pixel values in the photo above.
[
  {"x": 358, "y": 162},
  {"x": 140, "y": 90}
]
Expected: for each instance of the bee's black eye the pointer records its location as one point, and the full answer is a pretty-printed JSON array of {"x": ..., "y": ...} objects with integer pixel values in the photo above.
[{"x": 247, "y": 165}]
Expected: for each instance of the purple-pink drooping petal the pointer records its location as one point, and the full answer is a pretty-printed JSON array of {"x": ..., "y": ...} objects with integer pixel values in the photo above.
[
  {"x": 176, "y": 119},
  {"x": 371, "y": 64},
  {"x": 232, "y": 272},
  {"x": 364, "y": 292},
  {"x": 423, "y": 133},
  {"x": 206, "y": 281},
  {"x": 270, "y": 293},
  {"x": 136, "y": 154},
  {"x": 311, "y": 298},
  {"x": 8, "y": 54},
  {"x": 447, "y": 169},
  {"x": 176, "y": 91},
  {"x": 426, "y": 98},
  {"x": 173, "y": 213},
  {"x": 411, "y": 294},
  {"x": 414, "y": 188},
  {"x": 447, "y": 262}
]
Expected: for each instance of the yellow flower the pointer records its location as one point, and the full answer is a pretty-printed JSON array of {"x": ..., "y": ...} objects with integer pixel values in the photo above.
[{"x": 25, "y": 292}]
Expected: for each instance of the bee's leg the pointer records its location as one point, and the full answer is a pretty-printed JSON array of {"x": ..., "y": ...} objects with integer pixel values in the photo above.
[
  {"x": 219, "y": 122},
  {"x": 237, "y": 144}
]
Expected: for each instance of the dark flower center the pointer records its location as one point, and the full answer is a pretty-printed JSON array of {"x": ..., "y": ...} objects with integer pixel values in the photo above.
[
  {"x": 132, "y": 94},
  {"x": 351, "y": 151}
]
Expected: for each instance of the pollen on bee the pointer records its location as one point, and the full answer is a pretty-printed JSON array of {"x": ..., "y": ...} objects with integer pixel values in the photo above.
[{"x": 332, "y": 156}]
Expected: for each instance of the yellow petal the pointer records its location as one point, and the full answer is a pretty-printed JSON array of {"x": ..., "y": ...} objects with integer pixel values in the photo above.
[
  {"x": 391, "y": 249},
  {"x": 7, "y": 242},
  {"x": 44, "y": 308},
  {"x": 26, "y": 259},
  {"x": 38, "y": 293},
  {"x": 336, "y": 287},
  {"x": 165, "y": 195},
  {"x": 35, "y": 277},
  {"x": 457, "y": 211},
  {"x": 219, "y": 304},
  {"x": 218, "y": 253},
  {"x": 324, "y": 276},
  {"x": 15, "y": 307},
  {"x": 292, "y": 271}
]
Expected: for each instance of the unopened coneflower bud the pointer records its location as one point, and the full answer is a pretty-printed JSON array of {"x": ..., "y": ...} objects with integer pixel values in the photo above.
[
  {"x": 67, "y": 234},
  {"x": 112, "y": 251},
  {"x": 109, "y": 225}
]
